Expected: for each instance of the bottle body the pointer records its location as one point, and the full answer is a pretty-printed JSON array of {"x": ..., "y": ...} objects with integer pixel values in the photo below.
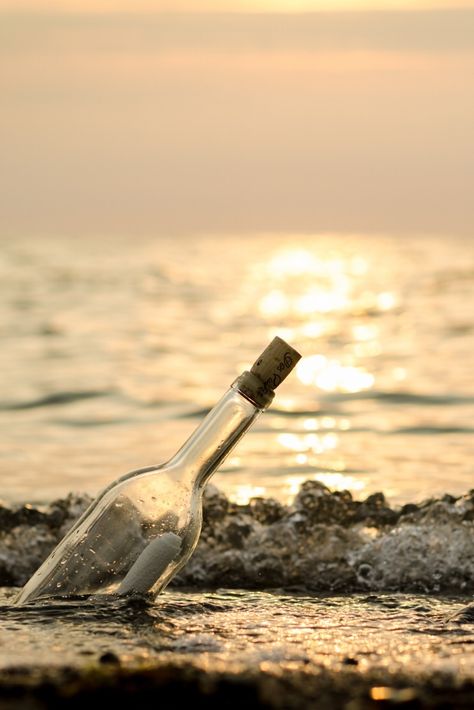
[{"x": 141, "y": 530}]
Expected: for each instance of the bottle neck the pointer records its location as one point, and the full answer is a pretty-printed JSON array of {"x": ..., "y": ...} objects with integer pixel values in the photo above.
[{"x": 215, "y": 437}]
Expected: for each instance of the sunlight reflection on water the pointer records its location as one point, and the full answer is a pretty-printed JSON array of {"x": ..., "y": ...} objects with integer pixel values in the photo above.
[{"x": 155, "y": 330}]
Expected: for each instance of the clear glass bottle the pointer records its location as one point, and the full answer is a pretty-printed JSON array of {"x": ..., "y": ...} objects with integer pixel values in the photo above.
[{"x": 143, "y": 528}]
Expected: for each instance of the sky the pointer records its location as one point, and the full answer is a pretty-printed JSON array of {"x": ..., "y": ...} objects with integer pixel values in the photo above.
[
  {"x": 258, "y": 120},
  {"x": 239, "y": 6}
]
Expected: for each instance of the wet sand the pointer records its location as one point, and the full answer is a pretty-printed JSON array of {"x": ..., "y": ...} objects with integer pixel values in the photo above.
[
  {"x": 171, "y": 685},
  {"x": 231, "y": 648}
]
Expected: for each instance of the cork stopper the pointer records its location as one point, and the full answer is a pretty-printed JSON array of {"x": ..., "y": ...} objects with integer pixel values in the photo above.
[{"x": 268, "y": 372}]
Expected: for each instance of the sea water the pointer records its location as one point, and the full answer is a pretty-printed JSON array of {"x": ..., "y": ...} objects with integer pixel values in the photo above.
[
  {"x": 348, "y": 505},
  {"x": 113, "y": 349}
]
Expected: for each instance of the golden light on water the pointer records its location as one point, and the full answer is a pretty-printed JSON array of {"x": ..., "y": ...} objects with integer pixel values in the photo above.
[
  {"x": 305, "y": 289},
  {"x": 323, "y": 301},
  {"x": 244, "y": 492},
  {"x": 306, "y": 284},
  {"x": 333, "y": 480},
  {"x": 292, "y": 262},
  {"x": 313, "y": 329},
  {"x": 364, "y": 332},
  {"x": 274, "y": 303},
  {"x": 290, "y": 486},
  {"x": 309, "y": 295},
  {"x": 331, "y": 375},
  {"x": 326, "y": 296},
  {"x": 315, "y": 423},
  {"x": 316, "y": 299},
  {"x": 317, "y": 443},
  {"x": 386, "y": 300}
]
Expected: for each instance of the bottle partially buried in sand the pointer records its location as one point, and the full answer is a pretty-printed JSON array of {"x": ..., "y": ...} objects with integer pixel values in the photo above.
[{"x": 143, "y": 528}]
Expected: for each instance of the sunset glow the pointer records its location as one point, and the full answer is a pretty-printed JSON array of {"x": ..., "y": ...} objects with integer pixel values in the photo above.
[
  {"x": 318, "y": 112},
  {"x": 293, "y": 6}
]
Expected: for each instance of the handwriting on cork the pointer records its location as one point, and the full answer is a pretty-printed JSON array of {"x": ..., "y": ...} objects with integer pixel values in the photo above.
[{"x": 277, "y": 377}]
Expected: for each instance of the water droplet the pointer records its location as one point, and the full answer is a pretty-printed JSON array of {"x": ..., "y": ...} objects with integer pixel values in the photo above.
[{"x": 59, "y": 585}]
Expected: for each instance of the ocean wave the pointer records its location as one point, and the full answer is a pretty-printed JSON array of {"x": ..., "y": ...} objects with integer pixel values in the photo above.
[
  {"x": 324, "y": 541},
  {"x": 54, "y": 398},
  {"x": 398, "y": 397}
]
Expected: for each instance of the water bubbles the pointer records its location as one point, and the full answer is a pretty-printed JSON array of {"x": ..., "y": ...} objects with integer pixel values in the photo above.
[{"x": 364, "y": 572}]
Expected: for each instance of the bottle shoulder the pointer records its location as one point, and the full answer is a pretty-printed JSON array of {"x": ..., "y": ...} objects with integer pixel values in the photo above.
[
  {"x": 157, "y": 468},
  {"x": 147, "y": 489}
]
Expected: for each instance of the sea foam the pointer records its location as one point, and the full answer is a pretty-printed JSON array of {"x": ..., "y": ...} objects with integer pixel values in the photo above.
[{"x": 324, "y": 541}]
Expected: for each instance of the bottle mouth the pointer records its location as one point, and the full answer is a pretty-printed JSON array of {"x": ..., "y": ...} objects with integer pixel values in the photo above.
[
  {"x": 253, "y": 389},
  {"x": 267, "y": 373}
]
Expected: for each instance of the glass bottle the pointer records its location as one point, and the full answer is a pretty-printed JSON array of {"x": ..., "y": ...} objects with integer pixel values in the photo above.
[{"x": 143, "y": 528}]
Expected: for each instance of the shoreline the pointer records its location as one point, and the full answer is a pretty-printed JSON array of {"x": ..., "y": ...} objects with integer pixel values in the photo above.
[{"x": 227, "y": 648}]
